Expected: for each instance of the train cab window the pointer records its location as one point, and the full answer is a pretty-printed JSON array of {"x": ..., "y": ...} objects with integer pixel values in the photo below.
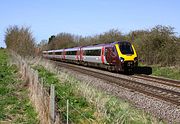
[{"x": 126, "y": 48}]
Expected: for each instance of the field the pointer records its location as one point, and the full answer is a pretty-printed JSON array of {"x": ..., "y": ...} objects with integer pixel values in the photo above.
[{"x": 15, "y": 107}]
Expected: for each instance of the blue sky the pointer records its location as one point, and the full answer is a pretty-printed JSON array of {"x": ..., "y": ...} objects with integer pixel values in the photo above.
[{"x": 87, "y": 17}]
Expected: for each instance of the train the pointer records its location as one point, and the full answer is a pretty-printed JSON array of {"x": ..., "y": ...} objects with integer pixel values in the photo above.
[{"x": 118, "y": 56}]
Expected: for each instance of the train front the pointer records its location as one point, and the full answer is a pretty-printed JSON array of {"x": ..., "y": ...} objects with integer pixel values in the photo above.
[{"x": 127, "y": 56}]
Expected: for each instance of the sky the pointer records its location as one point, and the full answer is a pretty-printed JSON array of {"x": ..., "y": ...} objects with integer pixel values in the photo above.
[{"x": 87, "y": 17}]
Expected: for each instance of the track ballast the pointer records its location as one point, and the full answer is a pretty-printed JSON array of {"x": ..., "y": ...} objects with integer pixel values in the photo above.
[{"x": 153, "y": 91}]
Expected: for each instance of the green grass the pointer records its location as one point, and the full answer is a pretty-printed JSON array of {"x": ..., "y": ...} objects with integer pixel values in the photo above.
[
  {"x": 173, "y": 73},
  {"x": 65, "y": 91},
  {"x": 15, "y": 107},
  {"x": 167, "y": 72}
]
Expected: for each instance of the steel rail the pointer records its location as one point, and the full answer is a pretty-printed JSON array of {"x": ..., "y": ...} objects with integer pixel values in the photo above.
[
  {"x": 154, "y": 91},
  {"x": 168, "y": 82}
]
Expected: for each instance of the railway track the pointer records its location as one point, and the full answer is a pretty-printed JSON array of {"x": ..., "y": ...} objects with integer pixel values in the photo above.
[
  {"x": 164, "y": 81},
  {"x": 157, "y": 92}
]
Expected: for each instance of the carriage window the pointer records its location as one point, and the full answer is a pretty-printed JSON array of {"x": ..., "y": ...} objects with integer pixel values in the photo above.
[
  {"x": 68, "y": 53},
  {"x": 93, "y": 52},
  {"x": 50, "y": 53},
  {"x": 58, "y": 53},
  {"x": 71, "y": 52}
]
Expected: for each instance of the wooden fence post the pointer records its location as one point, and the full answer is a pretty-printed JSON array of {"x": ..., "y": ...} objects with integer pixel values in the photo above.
[
  {"x": 52, "y": 103},
  {"x": 67, "y": 114}
]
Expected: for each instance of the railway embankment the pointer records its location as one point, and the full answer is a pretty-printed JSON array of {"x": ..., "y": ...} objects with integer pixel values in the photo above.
[{"x": 15, "y": 106}]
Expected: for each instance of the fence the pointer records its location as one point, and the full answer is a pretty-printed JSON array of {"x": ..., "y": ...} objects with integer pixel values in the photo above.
[
  {"x": 43, "y": 100},
  {"x": 70, "y": 108}
]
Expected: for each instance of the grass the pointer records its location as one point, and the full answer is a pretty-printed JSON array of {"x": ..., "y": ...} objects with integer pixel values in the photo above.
[
  {"x": 173, "y": 73},
  {"x": 96, "y": 105},
  {"x": 15, "y": 107},
  {"x": 64, "y": 91},
  {"x": 167, "y": 72}
]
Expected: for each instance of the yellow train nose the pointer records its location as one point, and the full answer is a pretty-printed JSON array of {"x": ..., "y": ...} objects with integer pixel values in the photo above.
[{"x": 126, "y": 57}]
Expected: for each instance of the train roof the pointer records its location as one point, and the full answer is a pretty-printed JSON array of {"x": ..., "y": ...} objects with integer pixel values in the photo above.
[
  {"x": 72, "y": 49},
  {"x": 44, "y": 51},
  {"x": 95, "y": 46},
  {"x": 59, "y": 50}
]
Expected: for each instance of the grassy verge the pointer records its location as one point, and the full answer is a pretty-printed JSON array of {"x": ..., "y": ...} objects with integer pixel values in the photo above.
[
  {"x": 15, "y": 106},
  {"x": 167, "y": 72},
  {"x": 95, "y": 105},
  {"x": 173, "y": 73},
  {"x": 80, "y": 110}
]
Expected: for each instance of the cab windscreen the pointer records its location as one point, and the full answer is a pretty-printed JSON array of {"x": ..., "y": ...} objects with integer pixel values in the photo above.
[{"x": 126, "y": 48}]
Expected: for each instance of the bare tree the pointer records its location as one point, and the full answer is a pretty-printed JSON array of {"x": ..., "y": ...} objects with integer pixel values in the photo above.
[{"x": 20, "y": 40}]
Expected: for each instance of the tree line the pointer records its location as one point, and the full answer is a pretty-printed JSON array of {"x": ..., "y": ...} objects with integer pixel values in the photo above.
[{"x": 158, "y": 45}]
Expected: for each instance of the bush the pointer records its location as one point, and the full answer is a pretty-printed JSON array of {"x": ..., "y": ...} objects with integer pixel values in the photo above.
[
  {"x": 158, "y": 46},
  {"x": 20, "y": 40}
]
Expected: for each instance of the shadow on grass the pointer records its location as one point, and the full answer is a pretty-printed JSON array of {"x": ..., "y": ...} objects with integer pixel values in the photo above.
[{"x": 143, "y": 70}]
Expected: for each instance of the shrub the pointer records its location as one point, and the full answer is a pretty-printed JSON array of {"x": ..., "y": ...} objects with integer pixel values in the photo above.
[{"x": 20, "y": 40}]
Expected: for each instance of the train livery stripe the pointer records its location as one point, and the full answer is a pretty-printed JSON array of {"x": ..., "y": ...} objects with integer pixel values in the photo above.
[{"x": 102, "y": 55}]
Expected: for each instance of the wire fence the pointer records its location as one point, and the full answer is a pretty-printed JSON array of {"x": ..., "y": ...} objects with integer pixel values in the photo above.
[
  {"x": 44, "y": 98},
  {"x": 40, "y": 96},
  {"x": 70, "y": 109}
]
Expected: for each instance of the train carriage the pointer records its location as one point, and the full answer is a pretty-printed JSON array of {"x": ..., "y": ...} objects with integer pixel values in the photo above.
[
  {"x": 92, "y": 54},
  {"x": 72, "y": 54},
  {"x": 50, "y": 54},
  {"x": 58, "y": 54},
  {"x": 117, "y": 56}
]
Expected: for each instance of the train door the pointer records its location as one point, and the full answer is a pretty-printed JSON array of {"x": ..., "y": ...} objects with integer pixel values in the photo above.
[
  {"x": 111, "y": 55},
  {"x": 64, "y": 54},
  {"x": 81, "y": 54}
]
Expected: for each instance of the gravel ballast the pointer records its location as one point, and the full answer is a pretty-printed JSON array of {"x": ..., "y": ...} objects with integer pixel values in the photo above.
[{"x": 156, "y": 107}]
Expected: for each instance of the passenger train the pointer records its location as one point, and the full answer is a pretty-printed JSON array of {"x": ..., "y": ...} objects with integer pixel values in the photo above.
[{"x": 118, "y": 56}]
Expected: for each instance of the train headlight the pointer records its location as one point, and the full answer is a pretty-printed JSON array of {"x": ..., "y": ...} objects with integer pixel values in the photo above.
[{"x": 121, "y": 59}]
